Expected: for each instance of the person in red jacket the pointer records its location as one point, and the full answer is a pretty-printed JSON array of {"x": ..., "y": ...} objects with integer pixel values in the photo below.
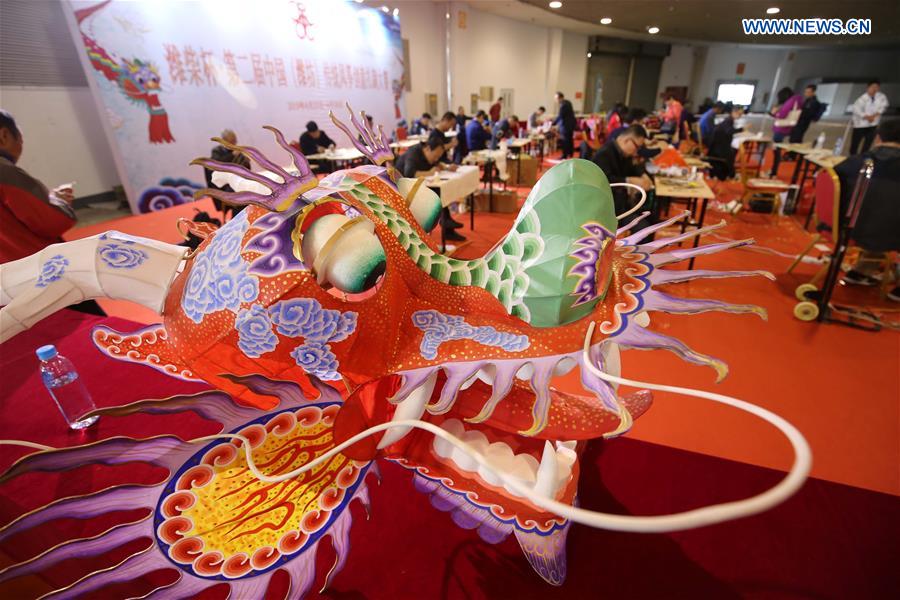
[{"x": 31, "y": 217}]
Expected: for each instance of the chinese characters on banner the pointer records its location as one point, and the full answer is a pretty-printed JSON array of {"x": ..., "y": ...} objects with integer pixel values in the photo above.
[{"x": 188, "y": 66}]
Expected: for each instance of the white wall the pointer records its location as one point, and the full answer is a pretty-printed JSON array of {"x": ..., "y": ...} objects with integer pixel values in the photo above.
[
  {"x": 676, "y": 71},
  {"x": 534, "y": 61},
  {"x": 64, "y": 140},
  {"x": 423, "y": 24}
]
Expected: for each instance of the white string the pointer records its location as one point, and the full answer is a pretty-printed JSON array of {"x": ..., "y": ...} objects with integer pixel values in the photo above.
[
  {"x": 639, "y": 204},
  {"x": 699, "y": 517}
]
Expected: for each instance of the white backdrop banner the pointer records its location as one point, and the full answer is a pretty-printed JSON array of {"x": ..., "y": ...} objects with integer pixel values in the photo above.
[{"x": 169, "y": 75}]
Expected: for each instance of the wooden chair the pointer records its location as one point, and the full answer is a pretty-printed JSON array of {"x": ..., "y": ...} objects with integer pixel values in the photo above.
[{"x": 749, "y": 164}]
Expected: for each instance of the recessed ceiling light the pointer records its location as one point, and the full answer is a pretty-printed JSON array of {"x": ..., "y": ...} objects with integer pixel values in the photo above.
[
  {"x": 652, "y": 30},
  {"x": 385, "y": 9},
  {"x": 555, "y": 4},
  {"x": 589, "y": 54},
  {"x": 396, "y": 12},
  {"x": 605, "y": 21},
  {"x": 773, "y": 11}
]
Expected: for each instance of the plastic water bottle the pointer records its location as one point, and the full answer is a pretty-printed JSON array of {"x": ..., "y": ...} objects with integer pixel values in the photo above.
[
  {"x": 820, "y": 141},
  {"x": 65, "y": 387},
  {"x": 839, "y": 145}
]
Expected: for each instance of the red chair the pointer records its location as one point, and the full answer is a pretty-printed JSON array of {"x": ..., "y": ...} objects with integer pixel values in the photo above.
[{"x": 827, "y": 208}]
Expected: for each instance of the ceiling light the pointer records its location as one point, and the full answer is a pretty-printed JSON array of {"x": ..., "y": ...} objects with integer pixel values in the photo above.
[
  {"x": 555, "y": 4},
  {"x": 773, "y": 11},
  {"x": 605, "y": 21},
  {"x": 359, "y": 1},
  {"x": 589, "y": 54},
  {"x": 385, "y": 9},
  {"x": 652, "y": 30},
  {"x": 396, "y": 12},
  {"x": 447, "y": 15}
]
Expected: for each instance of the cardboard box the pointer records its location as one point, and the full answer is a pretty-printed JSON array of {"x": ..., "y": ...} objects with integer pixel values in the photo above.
[
  {"x": 523, "y": 172},
  {"x": 504, "y": 202}
]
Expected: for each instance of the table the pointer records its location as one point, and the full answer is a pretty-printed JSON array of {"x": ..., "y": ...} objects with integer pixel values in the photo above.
[
  {"x": 807, "y": 155},
  {"x": 739, "y": 138},
  {"x": 453, "y": 186},
  {"x": 692, "y": 191},
  {"x": 693, "y": 161},
  {"x": 403, "y": 144},
  {"x": 339, "y": 155},
  {"x": 489, "y": 158},
  {"x": 828, "y": 541}
]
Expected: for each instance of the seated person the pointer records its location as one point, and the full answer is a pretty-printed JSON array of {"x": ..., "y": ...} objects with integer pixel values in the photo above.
[
  {"x": 708, "y": 122},
  {"x": 224, "y": 155},
  {"x": 616, "y": 159},
  {"x": 422, "y": 160},
  {"x": 633, "y": 117},
  {"x": 477, "y": 132},
  {"x": 877, "y": 228},
  {"x": 314, "y": 140},
  {"x": 720, "y": 144},
  {"x": 31, "y": 216},
  {"x": 671, "y": 116},
  {"x": 421, "y": 126},
  {"x": 503, "y": 129}
]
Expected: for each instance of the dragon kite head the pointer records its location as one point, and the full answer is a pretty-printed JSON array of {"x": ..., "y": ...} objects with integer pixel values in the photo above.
[{"x": 324, "y": 310}]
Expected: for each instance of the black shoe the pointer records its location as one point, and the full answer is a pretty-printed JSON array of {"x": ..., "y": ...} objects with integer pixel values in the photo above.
[
  {"x": 451, "y": 236},
  {"x": 854, "y": 277},
  {"x": 451, "y": 224},
  {"x": 894, "y": 294}
]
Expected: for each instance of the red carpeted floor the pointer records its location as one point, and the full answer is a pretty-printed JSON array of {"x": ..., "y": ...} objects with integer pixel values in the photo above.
[{"x": 838, "y": 385}]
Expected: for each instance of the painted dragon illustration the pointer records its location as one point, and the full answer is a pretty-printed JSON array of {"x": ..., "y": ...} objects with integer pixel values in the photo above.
[
  {"x": 335, "y": 335},
  {"x": 137, "y": 79}
]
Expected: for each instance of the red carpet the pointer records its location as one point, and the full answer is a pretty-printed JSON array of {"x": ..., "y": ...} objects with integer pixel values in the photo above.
[{"x": 829, "y": 541}]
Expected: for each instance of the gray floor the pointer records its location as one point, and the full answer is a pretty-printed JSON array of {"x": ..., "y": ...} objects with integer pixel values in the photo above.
[{"x": 99, "y": 212}]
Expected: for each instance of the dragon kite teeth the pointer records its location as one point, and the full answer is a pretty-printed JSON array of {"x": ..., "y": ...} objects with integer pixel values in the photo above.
[{"x": 335, "y": 334}]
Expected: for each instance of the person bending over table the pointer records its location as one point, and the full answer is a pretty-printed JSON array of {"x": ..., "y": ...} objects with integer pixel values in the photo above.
[
  {"x": 422, "y": 160},
  {"x": 504, "y": 128},
  {"x": 708, "y": 122},
  {"x": 31, "y": 216},
  {"x": 671, "y": 116},
  {"x": 616, "y": 158},
  {"x": 788, "y": 102},
  {"x": 462, "y": 147},
  {"x": 878, "y": 226},
  {"x": 477, "y": 132},
  {"x": 446, "y": 125},
  {"x": 314, "y": 140},
  {"x": 534, "y": 121},
  {"x": 812, "y": 110}
]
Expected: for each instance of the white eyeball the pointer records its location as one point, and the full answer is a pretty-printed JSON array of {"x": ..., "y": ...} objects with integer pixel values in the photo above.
[
  {"x": 344, "y": 252},
  {"x": 425, "y": 205}
]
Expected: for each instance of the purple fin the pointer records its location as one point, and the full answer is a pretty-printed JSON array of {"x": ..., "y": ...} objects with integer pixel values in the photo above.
[
  {"x": 136, "y": 565},
  {"x": 656, "y": 300},
  {"x": 288, "y": 392},
  {"x": 283, "y": 197},
  {"x": 657, "y": 244},
  {"x": 302, "y": 571},
  {"x": 457, "y": 374},
  {"x": 373, "y": 146},
  {"x": 339, "y": 532},
  {"x": 465, "y": 514},
  {"x": 213, "y": 405},
  {"x": 637, "y": 236},
  {"x": 109, "y": 539},
  {"x": 546, "y": 553},
  {"x": 634, "y": 222},
  {"x": 120, "y": 497},
  {"x": 248, "y": 587},
  {"x": 112, "y": 451},
  {"x": 639, "y": 338},
  {"x": 665, "y": 258},
  {"x": 664, "y": 276}
]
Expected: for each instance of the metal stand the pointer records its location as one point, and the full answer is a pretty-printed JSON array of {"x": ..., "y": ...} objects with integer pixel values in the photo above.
[{"x": 817, "y": 305}]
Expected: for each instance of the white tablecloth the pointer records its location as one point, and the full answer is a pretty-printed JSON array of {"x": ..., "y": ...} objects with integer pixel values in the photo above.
[
  {"x": 481, "y": 156},
  {"x": 453, "y": 186},
  {"x": 337, "y": 154}
]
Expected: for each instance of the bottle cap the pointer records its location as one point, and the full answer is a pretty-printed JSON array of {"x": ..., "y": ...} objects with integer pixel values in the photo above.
[{"x": 46, "y": 352}]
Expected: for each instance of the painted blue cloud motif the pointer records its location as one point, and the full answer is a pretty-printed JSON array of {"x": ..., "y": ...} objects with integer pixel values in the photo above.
[
  {"x": 219, "y": 279},
  {"x": 52, "y": 270},
  {"x": 254, "y": 327},
  {"x": 121, "y": 255},
  {"x": 440, "y": 328},
  {"x": 305, "y": 317}
]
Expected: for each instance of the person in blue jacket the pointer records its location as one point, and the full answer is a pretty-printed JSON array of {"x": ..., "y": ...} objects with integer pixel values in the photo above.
[{"x": 477, "y": 135}]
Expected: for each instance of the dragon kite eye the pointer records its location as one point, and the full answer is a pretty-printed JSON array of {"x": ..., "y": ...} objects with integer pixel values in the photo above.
[
  {"x": 423, "y": 202},
  {"x": 344, "y": 252}
]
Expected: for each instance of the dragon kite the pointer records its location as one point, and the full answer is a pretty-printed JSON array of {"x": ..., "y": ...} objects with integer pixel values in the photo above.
[
  {"x": 137, "y": 79},
  {"x": 335, "y": 334}
]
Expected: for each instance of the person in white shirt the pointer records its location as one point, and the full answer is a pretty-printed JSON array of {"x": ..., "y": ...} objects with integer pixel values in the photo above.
[{"x": 867, "y": 111}]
